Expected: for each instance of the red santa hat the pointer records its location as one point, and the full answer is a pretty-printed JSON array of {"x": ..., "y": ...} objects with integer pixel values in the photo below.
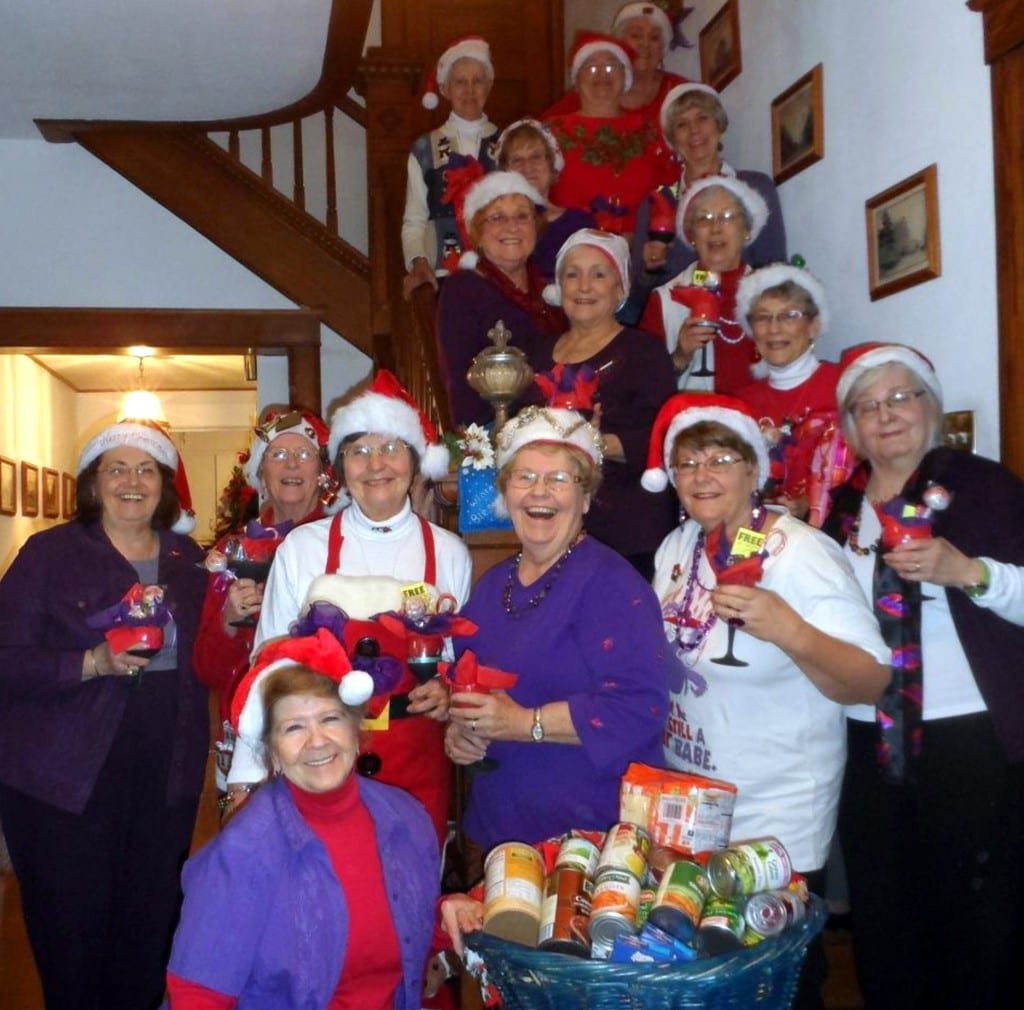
[
  {"x": 472, "y": 47},
  {"x": 545, "y": 134},
  {"x": 754, "y": 284},
  {"x": 485, "y": 191},
  {"x": 276, "y": 423},
  {"x": 855, "y": 361},
  {"x": 752, "y": 201},
  {"x": 614, "y": 247},
  {"x": 683, "y": 411},
  {"x": 548, "y": 426},
  {"x": 672, "y": 96},
  {"x": 152, "y": 438},
  {"x": 587, "y": 43},
  {"x": 386, "y": 408},
  {"x": 648, "y": 11},
  {"x": 322, "y": 653}
]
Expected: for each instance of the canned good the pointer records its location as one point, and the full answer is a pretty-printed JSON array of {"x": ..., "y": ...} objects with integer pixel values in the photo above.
[
  {"x": 578, "y": 853},
  {"x": 600, "y": 951},
  {"x": 615, "y": 901},
  {"x": 565, "y": 914},
  {"x": 513, "y": 892},
  {"x": 721, "y": 927},
  {"x": 761, "y": 865},
  {"x": 680, "y": 899},
  {"x": 626, "y": 847},
  {"x": 768, "y": 913},
  {"x": 644, "y": 906}
]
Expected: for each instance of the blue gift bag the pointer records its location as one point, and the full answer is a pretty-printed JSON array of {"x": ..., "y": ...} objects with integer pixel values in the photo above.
[{"x": 477, "y": 495}]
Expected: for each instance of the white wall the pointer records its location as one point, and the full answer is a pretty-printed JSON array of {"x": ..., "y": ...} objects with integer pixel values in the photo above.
[{"x": 905, "y": 86}]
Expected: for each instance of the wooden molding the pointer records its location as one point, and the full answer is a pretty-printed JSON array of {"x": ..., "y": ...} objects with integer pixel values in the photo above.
[{"x": 1004, "y": 25}]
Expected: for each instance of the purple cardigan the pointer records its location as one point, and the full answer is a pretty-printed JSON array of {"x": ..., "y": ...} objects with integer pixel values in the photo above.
[
  {"x": 596, "y": 641},
  {"x": 266, "y": 884},
  {"x": 55, "y": 730}
]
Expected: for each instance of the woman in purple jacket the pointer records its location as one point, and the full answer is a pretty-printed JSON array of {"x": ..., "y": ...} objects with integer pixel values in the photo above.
[{"x": 102, "y": 752}]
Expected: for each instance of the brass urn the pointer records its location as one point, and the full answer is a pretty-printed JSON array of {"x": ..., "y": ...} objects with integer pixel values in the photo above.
[{"x": 500, "y": 373}]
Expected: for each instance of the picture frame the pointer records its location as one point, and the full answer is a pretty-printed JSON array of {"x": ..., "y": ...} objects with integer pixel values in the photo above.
[
  {"x": 51, "y": 493},
  {"x": 721, "y": 58},
  {"x": 68, "y": 496},
  {"x": 902, "y": 225},
  {"x": 8, "y": 487},
  {"x": 798, "y": 125},
  {"x": 29, "y": 489}
]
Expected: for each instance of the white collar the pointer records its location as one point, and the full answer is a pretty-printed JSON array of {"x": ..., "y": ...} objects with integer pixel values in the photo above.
[
  {"x": 467, "y": 125},
  {"x": 359, "y": 523},
  {"x": 795, "y": 373}
]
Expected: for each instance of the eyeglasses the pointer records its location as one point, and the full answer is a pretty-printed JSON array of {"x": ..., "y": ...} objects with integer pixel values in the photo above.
[
  {"x": 518, "y": 161},
  {"x": 386, "y": 450},
  {"x": 555, "y": 480},
  {"x": 707, "y": 219},
  {"x": 144, "y": 471},
  {"x": 499, "y": 220},
  {"x": 714, "y": 465},
  {"x": 789, "y": 317},
  {"x": 899, "y": 399},
  {"x": 303, "y": 455},
  {"x": 600, "y": 69}
]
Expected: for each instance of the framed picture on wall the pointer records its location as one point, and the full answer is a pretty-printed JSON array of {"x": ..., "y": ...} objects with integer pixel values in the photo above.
[
  {"x": 68, "y": 495},
  {"x": 798, "y": 126},
  {"x": 903, "y": 234},
  {"x": 8, "y": 486},
  {"x": 51, "y": 493},
  {"x": 720, "y": 57},
  {"x": 29, "y": 489}
]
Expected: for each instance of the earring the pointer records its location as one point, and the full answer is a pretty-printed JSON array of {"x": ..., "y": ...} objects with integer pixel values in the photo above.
[{"x": 683, "y": 516}]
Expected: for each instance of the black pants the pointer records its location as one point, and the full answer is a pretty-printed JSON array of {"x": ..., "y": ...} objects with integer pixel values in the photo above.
[
  {"x": 935, "y": 870},
  {"x": 100, "y": 889}
]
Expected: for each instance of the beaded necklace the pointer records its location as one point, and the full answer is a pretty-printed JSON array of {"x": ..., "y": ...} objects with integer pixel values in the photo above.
[
  {"x": 854, "y": 544},
  {"x": 537, "y": 598}
]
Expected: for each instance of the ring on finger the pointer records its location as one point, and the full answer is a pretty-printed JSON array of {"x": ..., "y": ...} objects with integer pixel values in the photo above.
[{"x": 472, "y": 726}]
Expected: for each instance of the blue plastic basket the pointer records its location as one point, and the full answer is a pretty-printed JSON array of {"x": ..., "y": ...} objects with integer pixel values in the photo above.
[{"x": 764, "y": 976}]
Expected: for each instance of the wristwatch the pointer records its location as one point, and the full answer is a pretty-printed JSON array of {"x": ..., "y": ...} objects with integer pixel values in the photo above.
[
  {"x": 538, "y": 728},
  {"x": 980, "y": 588}
]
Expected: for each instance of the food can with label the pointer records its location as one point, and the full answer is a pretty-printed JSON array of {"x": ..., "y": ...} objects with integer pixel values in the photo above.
[
  {"x": 761, "y": 865},
  {"x": 565, "y": 914},
  {"x": 644, "y": 906},
  {"x": 768, "y": 913},
  {"x": 578, "y": 853},
  {"x": 626, "y": 847},
  {"x": 680, "y": 899},
  {"x": 616, "y": 897},
  {"x": 513, "y": 892},
  {"x": 721, "y": 926}
]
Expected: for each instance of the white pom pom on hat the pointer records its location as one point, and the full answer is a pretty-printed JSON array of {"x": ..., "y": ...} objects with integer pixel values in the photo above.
[
  {"x": 754, "y": 284},
  {"x": 687, "y": 409},
  {"x": 473, "y": 47},
  {"x": 752, "y": 201}
]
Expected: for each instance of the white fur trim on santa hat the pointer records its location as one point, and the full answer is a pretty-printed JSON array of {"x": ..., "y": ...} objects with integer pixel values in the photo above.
[
  {"x": 558, "y": 161},
  {"x": 614, "y": 247},
  {"x": 649, "y": 12},
  {"x": 139, "y": 436},
  {"x": 259, "y": 446},
  {"x": 377, "y": 414},
  {"x": 656, "y": 479},
  {"x": 359, "y": 596},
  {"x": 754, "y": 203},
  {"x": 493, "y": 186},
  {"x": 471, "y": 47},
  {"x": 585, "y": 51},
  {"x": 672, "y": 96},
  {"x": 551, "y": 426},
  {"x": 888, "y": 354},
  {"x": 754, "y": 284}
]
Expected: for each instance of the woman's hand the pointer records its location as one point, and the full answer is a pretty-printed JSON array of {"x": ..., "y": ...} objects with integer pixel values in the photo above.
[
  {"x": 693, "y": 334},
  {"x": 419, "y": 273},
  {"x": 119, "y": 664},
  {"x": 462, "y": 745},
  {"x": 493, "y": 716},
  {"x": 461, "y": 914},
  {"x": 764, "y": 613},
  {"x": 430, "y": 699},
  {"x": 655, "y": 255},
  {"x": 244, "y": 598},
  {"x": 934, "y": 560}
]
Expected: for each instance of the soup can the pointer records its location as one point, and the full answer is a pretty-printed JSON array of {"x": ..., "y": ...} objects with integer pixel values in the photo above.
[
  {"x": 768, "y": 913},
  {"x": 721, "y": 926},
  {"x": 761, "y": 865},
  {"x": 626, "y": 847},
  {"x": 565, "y": 915},
  {"x": 679, "y": 900},
  {"x": 616, "y": 897},
  {"x": 513, "y": 892},
  {"x": 578, "y": 853}
]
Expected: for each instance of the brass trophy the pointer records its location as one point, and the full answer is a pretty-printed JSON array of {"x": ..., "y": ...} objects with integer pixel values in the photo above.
[{"x": 500, "y": 373}]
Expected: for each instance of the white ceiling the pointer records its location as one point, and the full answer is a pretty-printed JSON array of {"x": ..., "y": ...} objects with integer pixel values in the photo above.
[
  {"x": 119, "y": 373},
  {"x": 155, "y": 60}
]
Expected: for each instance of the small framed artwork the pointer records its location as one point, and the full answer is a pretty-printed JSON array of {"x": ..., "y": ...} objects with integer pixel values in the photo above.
[
  {"x": 68, "y": 495},
  {"x": 8, "y": 486},
  {"x": 29, "y": 489},
  {"x": 798, "y": 126},
  {"x": 51, "y": 493},
  {"x": 903, "y": 234},
  {"x": 720, "y": 57}
]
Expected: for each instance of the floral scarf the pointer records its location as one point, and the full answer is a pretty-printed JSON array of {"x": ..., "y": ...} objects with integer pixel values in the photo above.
[{"x": 546, "y": 319}]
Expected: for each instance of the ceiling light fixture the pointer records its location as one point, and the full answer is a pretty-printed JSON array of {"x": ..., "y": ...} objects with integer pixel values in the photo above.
[
  {"x": 141, "y": 403},
  {"x": 249, "y": 365}
]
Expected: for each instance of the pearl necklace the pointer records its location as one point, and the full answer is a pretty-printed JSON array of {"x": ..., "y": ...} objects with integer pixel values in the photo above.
[{"x": 537, "y": 598}]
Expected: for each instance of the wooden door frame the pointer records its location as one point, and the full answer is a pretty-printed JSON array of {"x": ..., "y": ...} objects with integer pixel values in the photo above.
[{"x": 291, "y": 332}]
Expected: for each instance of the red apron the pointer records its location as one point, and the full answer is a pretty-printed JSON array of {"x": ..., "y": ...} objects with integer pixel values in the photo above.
[{"x": 411, "y": 749}]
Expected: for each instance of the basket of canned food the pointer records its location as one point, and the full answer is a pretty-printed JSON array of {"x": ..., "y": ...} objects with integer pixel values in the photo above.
[{"x": 661, "y": 912}]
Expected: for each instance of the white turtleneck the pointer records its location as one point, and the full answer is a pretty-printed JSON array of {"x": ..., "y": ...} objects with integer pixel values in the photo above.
[{"x": 795, "y": 373}]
